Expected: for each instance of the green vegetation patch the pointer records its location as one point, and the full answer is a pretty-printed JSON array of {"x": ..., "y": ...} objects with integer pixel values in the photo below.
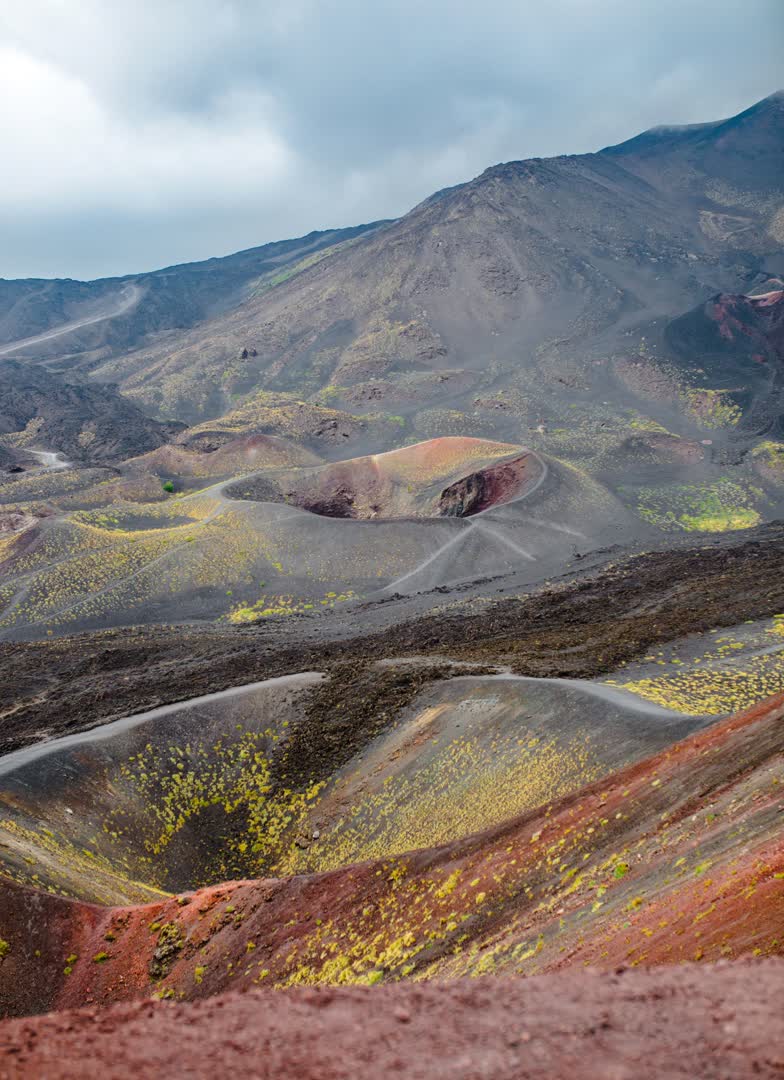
[
  {"x": 266, "y": 283},
  {"x": 284, "y": 604},
  {"x": 770, "y": 455},
  {"x": 169, "y": 945},
  {"x": 712, "y": 408},
  {"x": 645, "y": 423},
  {"x": 230, "y": 784},
  {"x": 721, "y": 506}
]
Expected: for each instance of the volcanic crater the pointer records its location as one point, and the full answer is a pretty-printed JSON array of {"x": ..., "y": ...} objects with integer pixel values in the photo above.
[{"x": 446, "y": 477}]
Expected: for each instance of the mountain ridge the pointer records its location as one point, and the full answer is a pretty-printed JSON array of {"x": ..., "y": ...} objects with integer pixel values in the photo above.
[
  {"x": 529, "y": 256},
  {"x": 173, "y": 297}
]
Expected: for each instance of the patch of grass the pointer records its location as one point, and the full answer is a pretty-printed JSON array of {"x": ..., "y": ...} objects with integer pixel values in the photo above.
[
  {"x": 721, "y": 506},
  {"x": 170, "y": 943},
  {"x": 712, "y": 408},
  {"x": 770, "y": 455}
]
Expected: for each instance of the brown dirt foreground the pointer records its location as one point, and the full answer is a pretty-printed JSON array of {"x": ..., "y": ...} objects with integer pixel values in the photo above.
[{"x": 722, "y": 1021}]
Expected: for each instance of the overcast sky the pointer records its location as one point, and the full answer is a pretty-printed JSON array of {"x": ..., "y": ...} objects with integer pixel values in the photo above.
[{"x": 149, "y": 132}]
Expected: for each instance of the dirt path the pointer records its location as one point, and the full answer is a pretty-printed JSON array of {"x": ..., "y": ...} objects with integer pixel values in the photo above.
[
  {"x": 691, "y": 1022},
  {"x": 127, "y": 298},
  {"x": 475, "y": 523},
  {"x": 583, "y": 629}
]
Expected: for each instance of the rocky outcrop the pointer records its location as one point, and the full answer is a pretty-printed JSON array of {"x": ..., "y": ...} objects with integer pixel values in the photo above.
[{"x": 485, "y": 488}]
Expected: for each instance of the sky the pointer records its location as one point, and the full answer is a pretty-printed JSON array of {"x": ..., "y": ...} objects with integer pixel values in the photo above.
[{"x": 140, "y": 134}]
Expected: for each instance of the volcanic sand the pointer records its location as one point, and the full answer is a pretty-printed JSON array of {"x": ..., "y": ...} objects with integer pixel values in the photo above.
[
  {"x": 677, "y": 857},
  {"x": 196, "y": 793},
  {"x": 687, "y": 1022}
]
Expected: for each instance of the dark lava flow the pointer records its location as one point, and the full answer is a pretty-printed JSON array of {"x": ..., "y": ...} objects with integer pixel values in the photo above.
[{"x": 582, "y": 628}]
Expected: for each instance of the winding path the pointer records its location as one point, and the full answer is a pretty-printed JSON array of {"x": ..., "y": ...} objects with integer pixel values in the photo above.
[
  {"x": 27, "y": 754},
  {"x": 128, "y": 297},
  {"x": 475, "y": 524},
  {"x": 620, "y": 698}
]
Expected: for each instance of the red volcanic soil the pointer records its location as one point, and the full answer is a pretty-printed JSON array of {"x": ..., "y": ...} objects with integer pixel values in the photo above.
[
  {"x": 677, "y": 858},
  {"x": 746, "y": 330},
  {"x": 722, "y": 1021},
  {"x": 450, "y": 476},
  {"x": 759, "y": 318}
]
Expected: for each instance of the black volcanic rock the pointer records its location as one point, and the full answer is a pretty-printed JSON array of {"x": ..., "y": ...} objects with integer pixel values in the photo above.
[
  {"x": 735, "y": 345},
  {"x": 83, "y": 421}
]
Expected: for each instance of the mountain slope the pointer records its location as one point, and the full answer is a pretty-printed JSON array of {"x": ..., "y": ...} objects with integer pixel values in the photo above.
[
  {"x": 740, "y": 155},
  {"x": 678, "y": 857},
  {"x": 52, "y": 318},
  {"x": 515, "y": 283},
  {"x": 84, "y": 421}
]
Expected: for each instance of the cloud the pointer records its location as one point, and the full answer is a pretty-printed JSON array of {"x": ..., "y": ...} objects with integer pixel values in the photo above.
[
  {"x": 64, "y": 133},
  {"x": 136, "y": 135}
]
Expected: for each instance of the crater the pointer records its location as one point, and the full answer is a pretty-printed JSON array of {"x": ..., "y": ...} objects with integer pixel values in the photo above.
[
  {"x": 179, "y": 796},
  {"x": 447, "y": 477},
  {"x": 217, "y": 789}
]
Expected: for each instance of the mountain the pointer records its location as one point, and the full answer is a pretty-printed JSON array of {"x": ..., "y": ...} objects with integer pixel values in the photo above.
[
  {"x": 408, "y": 609},
  {"x": 493, "y": 308},
  {"x": 516, "y": 285},
  {"x": 735, "y": 161},
  {"x": 51, "y": 318},
  {"x": 586, "y": 315}
]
